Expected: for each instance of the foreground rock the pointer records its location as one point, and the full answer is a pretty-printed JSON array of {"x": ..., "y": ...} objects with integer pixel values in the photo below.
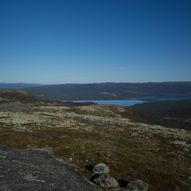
[
  {"x": 101, "y": 169},
  {"x": 102, "y": 178},
  {"x": 131, "y": 184},
  {"x": 106, "y": 181},
  {"x": 37, "y": 170},
  {"x": 137, "y": 185}
]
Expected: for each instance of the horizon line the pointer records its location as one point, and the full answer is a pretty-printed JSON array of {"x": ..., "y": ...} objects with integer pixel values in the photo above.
[{"x": 109, "y": 82}]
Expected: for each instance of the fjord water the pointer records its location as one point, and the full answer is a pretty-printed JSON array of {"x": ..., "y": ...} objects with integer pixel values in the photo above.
[
  {"x": 125, "y": 102},
  {"x": 131, "y": 102}
]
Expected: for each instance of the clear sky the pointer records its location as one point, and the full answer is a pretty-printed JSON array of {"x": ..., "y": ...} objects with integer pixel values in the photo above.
[{"x": 85, "y": 41}]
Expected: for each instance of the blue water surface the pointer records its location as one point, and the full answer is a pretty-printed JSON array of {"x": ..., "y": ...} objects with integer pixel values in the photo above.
[
  {"x": 133, "y": 101},
  {"x": 124, "y": 102}
]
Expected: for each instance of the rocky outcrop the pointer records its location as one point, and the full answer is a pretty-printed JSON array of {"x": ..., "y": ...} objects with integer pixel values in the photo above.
[
  {"x": 102, "y": 178},
  {"x": 37, "y": 170}
]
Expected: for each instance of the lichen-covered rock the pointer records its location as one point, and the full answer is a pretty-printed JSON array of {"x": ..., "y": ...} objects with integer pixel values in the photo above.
[
  {"x": 105, "y": 181},
  {"x": 137, "y": 185},
  {"x": 101, "y": 169},
  {"x": 135, "y": 134}
]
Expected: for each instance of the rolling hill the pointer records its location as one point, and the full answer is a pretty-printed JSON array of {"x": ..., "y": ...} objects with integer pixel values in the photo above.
[{"x": 111, "y": 90}]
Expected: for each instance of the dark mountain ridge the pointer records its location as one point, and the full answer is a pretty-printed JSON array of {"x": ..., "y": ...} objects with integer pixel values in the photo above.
[
  {"x": 111, "y": 90},
  {"x": 17, "y": 85},
  {"x": 176, "y": 114}
]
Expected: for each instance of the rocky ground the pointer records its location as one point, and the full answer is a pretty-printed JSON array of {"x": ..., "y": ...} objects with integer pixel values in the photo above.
[
  {"x": 87, "y": 135},
  {"x": 37, "y": 170}
]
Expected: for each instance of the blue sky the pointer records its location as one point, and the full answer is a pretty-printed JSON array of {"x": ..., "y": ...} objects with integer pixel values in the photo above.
[{"x": 85, "y": 41}]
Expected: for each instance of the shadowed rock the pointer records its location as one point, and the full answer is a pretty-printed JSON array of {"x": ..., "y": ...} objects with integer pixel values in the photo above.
[
  {"x": 137, "y": 185},
  {"x": 105, "y": 181}
]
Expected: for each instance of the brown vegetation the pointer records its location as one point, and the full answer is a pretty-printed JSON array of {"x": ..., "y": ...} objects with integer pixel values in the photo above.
[{"x": 85, "y": 135}]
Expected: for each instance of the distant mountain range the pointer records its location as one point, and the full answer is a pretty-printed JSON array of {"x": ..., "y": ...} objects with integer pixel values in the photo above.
[
  {"x": 17, "y": 85},
  {"x": 105, "y": 90}
]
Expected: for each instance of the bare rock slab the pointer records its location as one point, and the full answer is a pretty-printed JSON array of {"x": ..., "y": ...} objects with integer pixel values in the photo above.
[{"x": 37, "y": 170}]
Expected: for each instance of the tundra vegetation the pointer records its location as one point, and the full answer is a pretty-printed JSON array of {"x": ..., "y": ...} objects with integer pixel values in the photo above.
[{"x": 85, "y": 135}]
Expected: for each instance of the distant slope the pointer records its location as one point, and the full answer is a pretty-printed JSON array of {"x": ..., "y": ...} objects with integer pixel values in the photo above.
[
  {"x": 16, "y": 85},
  {"x": 111, "y": 90},
  {"x": 174, "y": 114},
  {"x": 16, "y": 95}
]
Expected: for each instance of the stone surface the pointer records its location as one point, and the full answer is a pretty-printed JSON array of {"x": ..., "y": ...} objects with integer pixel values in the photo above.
[
  {"x": 101, "y": 169},
  {"x": 105, "y": 181},
  {"x": 135, "y": 134},
  {"x": 137, "y": 185},
  {"x": 34, "y": 170}
]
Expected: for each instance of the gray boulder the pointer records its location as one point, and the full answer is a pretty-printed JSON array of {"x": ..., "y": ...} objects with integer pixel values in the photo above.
[
  {"x": 135, "y": 134},
  {"x": 137, "y": 185},
  {"x": 101, "y": 169},
  {"x": 105, "y": 181}
]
